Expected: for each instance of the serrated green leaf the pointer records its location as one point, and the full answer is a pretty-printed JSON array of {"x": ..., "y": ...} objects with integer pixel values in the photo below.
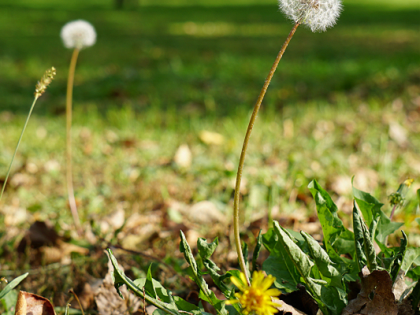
[
  {"x": 205, "y": 293},
  {"x": 371, "y": 210},
  {"x": 257, "y": 251},
  {"x": 414, "y": 273},
  {"x": 12, "y": 284},
  {"x": 369, "y": 248},
  {"x": 386, "y": 227},
  {"x": 335, "y": 299},
  {"x": 315, "y": 290},
  {"x": 337, "y": 239},
  {"x": 414, "y": 297},
  {"x": 410, "y": 256},
  {"x": 148, "y": 286},
  {"x": 323, "y": 261},
  {"x": 245, "y": 255},
  {"x": 365, "y": 251},
  {"x": 399, "y": 258},
  {"x": 9, "y": 301},
  {"x": 368, "y": 204},
  {"x": 205, "y": 250},
  {"x": 303, "y": 265},
  {"x": 119, "y": 279},
  {"x": 301, "y": 261},
  {"x": 287, "y": 277},
  {"x": 166, "y": 303},
  {"x": 270, "y": 239}
]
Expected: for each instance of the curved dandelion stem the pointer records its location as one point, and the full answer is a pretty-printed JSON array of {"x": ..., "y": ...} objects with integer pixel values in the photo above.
[
  {"x": 243, "y": 153},
  {"x": 17, "y": 146},
  {"x": 69, "y": 174}
]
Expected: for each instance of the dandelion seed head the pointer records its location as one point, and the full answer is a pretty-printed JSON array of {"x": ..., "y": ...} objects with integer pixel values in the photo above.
[
  {"x": 78, "y": 34},
  {"x": 318, "y": 15}
]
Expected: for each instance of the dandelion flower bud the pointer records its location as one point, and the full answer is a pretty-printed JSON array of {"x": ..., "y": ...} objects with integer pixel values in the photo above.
[
  {"x": 318, "y": 15},
  {"x": 78, "y": 34},
  {"x": 46, "y": 79}
]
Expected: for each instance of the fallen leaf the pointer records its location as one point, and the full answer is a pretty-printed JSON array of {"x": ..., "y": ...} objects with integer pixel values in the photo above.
[
  {"x": 379, "y": 284},
  {"x": 301, "y": 301},
  {"x": 398, "y": 133},
  {"x": 40, "y": 234},
  {"x": 32, "y": 304},
  {"x": 288, "y": 129},
  {"x": 205, "y": 212},
  {"x": 86, "y": 297},
  {"x": 20, "y": 304},
  {"x": 61, "y": 252},
  {"x": 405, "y": 308},
  {"x": 399, "y": 287},
  {"x": 109, "y": 302},
  {"x": 211, "y": 138},
  {"x": 183, "y": 156},
  {"x": 48, "y": 245},
  {"x": 112, "y": 221},
  {"x": 286, "y": 308}
]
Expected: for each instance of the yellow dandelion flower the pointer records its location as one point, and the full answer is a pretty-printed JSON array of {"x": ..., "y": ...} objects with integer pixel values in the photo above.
[{"x": 257, "y": 297}]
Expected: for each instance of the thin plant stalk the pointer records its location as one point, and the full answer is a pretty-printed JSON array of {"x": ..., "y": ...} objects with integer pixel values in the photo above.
[
  {"x": 392, "y": 212},
  {"x": 69, "y": 172},
  {"x": 17, "y": 146},
  {"x": 243, "y": 153}
]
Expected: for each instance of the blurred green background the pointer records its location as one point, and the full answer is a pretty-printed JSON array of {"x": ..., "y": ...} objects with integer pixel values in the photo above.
[{"x": 210, "y": 57}]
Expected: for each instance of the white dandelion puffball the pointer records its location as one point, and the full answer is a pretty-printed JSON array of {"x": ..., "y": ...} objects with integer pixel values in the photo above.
[
  {"x": 318, "y": 15},
  {"x": 78, "y": 34}
]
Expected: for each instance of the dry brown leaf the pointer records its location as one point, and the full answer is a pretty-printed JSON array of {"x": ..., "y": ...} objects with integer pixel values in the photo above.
[
  {"x": 61, "y": 252},
  {"x": 86, "y": 297},
  {"x": 286, "y": 308},
  {"x": 183, "y": 156},
  {"x": 211, "y": 138},
  {"x": 113, "y": 221},
  {"x": 205, "y": 212},
  {"x": 301, "y": 300},
  {"x": 109, "y": 302},
  {"x": 399, "y": 287},
  {"x": 379, "y": 284},
  {"x": 32, "y": 304},
  {"x": 40, "y": 234},
  {"x": 405, "y": 308},
  {"x": 20, "y": 304},
  {"x": 48, "y": 245},
  {"x": 398, "y": 133}
]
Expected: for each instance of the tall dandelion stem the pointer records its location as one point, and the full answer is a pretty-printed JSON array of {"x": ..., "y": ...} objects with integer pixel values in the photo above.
[
  {"x": 40, "y": 88},
  {"x": 243, "y": 153},
  {"x": 69, "y": 174},
  {"x": 77, "y": 35}
]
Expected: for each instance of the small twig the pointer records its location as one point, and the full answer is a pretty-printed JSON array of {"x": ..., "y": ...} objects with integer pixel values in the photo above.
[{"x": 77, "y": 299}]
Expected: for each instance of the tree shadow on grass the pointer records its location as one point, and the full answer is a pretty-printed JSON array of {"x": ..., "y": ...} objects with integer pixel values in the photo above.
[{"x": 149, "y": 56}]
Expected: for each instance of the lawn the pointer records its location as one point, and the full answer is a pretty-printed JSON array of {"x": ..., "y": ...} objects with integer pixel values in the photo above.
[{"x": 343, "y": 103}]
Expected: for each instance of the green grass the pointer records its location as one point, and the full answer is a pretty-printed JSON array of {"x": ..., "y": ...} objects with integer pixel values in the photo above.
[
  {"x": 162, "y": 72},
  {"x": 145, "y": 59}
]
